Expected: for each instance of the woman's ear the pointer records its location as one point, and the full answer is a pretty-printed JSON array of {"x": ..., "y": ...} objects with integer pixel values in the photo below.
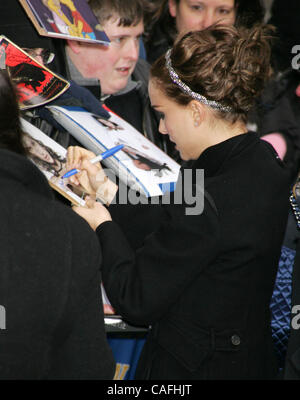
[
  {"x": 197, "y": 112},
  {"x": 172, "y": 8}
]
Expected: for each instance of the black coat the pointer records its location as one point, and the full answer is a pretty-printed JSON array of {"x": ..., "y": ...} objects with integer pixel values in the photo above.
[
  {"x": 49, "y": 283},
  {"x": 204, "y": 282}
]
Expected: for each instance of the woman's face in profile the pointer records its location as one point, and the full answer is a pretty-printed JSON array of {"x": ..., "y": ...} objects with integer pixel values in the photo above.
[
  {"x": 192, "y": 15},
  {"x": 37, "y": 150},
  {"x": 177, "y": 122}
]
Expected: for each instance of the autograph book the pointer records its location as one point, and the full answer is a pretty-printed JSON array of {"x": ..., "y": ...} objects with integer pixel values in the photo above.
[
  {"x": 36, "y": 84},
  {"x": 65, "y": 19},
  {"x": 50, "y": 158},
  {"x": 140, "y": 164}
]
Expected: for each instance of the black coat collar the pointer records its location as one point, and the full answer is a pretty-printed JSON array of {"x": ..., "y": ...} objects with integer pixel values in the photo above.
[{"x": 214, "y": 157}]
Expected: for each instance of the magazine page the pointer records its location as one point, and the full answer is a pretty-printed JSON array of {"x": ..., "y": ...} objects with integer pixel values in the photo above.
[
  {"x": 50, "y": 158},
  {"x": 36, "y": 84},
  {"x": 65, "y": 19},
  {"x": 140, "y": 164}
]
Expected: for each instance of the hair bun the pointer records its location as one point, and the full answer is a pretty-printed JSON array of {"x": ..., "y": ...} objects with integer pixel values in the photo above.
[{"x": 225, "y": 64}]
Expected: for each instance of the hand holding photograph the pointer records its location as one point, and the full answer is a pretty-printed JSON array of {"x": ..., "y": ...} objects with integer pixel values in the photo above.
[
  {"x": 140, "y": 164},
  {"x": 36, "y": 84},
  {"x": 50, "y": 158}
]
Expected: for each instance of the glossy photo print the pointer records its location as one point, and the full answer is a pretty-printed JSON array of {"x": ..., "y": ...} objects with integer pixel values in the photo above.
[
  {"x": 50, "y": 158},
  {"x": 36, "y": 84}
]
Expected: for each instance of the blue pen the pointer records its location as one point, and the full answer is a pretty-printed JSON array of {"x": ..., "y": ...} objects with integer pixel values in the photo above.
[{"x": 101, "y": 157}]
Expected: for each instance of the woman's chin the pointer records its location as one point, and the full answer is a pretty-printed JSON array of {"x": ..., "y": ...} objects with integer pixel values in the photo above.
[{"x": 183, "y": 156}]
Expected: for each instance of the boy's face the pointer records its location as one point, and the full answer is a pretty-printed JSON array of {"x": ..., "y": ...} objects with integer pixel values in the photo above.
[{"x": 112, "y": 64}]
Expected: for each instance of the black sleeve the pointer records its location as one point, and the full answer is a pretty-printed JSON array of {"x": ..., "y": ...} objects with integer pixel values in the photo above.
[{"x": 142, "y": 285}]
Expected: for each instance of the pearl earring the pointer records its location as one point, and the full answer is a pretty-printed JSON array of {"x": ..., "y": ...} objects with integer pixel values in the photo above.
[{"x": 196, "y": 123}]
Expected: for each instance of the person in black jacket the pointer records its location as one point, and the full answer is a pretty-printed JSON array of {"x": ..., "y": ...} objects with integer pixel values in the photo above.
[
  {"x": 204, "y": 279},
  {"x": 52, "y": 326}
]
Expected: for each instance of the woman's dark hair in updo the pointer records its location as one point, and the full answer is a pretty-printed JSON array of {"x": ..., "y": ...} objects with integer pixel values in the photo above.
[
  {"x": 10, "y": 126},
  {"x": 222, "y": 63}
]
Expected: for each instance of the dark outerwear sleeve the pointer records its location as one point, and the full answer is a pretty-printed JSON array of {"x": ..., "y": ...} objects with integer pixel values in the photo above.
[{"x": 143, "y": 285}]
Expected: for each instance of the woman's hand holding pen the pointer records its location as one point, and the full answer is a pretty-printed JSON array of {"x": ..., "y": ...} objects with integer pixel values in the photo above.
[{"x": 78, "y": 157}]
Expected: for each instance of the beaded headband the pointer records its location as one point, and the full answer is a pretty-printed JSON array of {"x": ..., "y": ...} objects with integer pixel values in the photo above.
[{"x": 186, "y": 89}]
